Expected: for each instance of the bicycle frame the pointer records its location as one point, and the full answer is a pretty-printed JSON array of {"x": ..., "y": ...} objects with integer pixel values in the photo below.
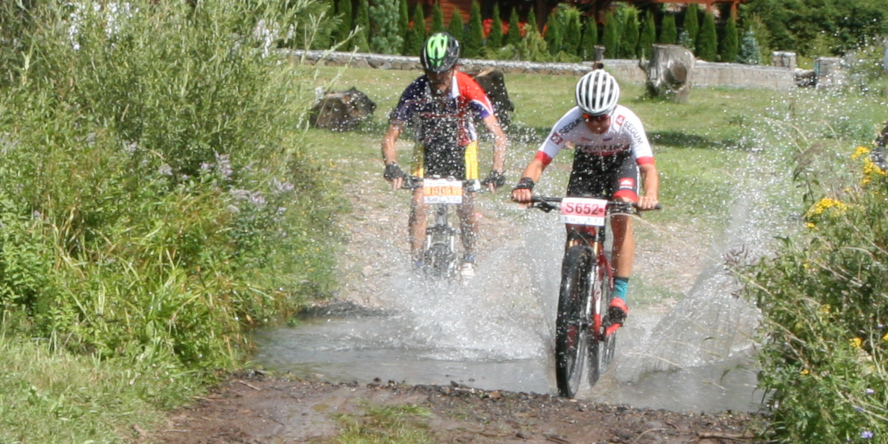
[
  {"x": 593, "y": 238},
  {"x": 440, "y": 249}
]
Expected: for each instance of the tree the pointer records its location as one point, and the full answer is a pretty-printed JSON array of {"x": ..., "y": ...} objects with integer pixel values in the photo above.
[
  {"x": 668, "y": 31},
  {"x": 495, "y": 38},
  {"x": 533, "y": 46},
  {"x": 344, "y": 12},
  {"x": 456, "y": 28},
  {"x": 629, "y": 36},
  {"x": 691, "y": 25},
  {"x": 437, "y": 19},
  {"x": 513, "y": 35},
  {"x": 473, "y": 40},
  {"x": 647, "y": 36},
  {"x": 552, "y": 33},
  {"x": 571, "y": 35},
  {"x": 589, "y": 40},
  {"x": 729, "y": 46},
  {"x": 707, "y": 40},
  {"x": 385, "y": 36},
  {"x": 750, "y": 53},
  {"x": 417, "y": 34},
  {"x": 403, "y": 23},
  {"x": 611, "y": 39},
  {"x": 362, "y": 22}
]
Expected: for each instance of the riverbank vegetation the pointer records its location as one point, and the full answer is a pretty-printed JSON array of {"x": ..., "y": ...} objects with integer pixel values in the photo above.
[
  {"x": 156, "y": 204},
  {"x": 161, "y": 195}
]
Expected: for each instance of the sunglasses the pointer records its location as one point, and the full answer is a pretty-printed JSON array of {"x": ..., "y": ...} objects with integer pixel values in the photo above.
[{"x": 599, "y": 118}]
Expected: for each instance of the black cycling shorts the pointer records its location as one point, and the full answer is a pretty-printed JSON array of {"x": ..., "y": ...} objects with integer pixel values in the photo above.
[{"x": 604, "y": 176}]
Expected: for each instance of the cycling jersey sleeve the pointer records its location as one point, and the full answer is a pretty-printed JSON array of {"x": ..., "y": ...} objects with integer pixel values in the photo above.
[
  {"x": 404, "y": 109},
  {"x": 472, "y": 93},
  {"x": 559, "y": 136},
  {"x": 641, "y": 147}
]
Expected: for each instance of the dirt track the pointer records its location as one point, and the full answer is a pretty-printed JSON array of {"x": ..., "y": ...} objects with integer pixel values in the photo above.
[{"x": 257, "y": 409}]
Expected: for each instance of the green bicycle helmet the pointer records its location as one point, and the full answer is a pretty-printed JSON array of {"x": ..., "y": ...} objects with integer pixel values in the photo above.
[{"x": 439, "y": 53}]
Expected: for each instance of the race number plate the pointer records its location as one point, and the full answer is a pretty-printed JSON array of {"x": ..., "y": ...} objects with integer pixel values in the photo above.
[
  {"x": 583, "y": 211},
  {"x": 442, "y": 191}
]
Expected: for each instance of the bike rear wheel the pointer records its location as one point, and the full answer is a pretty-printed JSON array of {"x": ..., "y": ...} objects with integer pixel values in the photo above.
[
  {"x": 572, "y": 321},
  {"x": 601, "y": 352}
]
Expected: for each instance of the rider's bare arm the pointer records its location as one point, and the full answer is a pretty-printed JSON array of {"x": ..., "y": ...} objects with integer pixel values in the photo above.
[
  {"x": 650, "y": 181},
  {"x": 389, "y": 151},
  {"x": 500, "y": 142}
]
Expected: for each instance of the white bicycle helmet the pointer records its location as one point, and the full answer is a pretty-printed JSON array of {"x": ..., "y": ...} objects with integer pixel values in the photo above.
[{"x": 597, "y": 93}]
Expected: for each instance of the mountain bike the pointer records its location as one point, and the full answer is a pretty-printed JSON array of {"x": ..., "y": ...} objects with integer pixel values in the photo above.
[
  {"x": 440, "y": 256},
  {"x": 582, "y": 329}
]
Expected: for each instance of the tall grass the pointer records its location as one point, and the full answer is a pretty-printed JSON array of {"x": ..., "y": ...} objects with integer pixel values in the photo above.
[{"x": 155, "y": 196}]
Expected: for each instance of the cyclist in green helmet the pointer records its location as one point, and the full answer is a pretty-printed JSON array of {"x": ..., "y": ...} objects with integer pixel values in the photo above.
[{"x": 440, "y": 108}]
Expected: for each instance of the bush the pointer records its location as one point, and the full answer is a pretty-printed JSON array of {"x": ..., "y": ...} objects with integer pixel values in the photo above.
[
  {"x": 707, "y": 40},
  {"x": 825, "y": 310},
  {"x": 386, "y": 32},
  {"x": 155, "y": 198}
]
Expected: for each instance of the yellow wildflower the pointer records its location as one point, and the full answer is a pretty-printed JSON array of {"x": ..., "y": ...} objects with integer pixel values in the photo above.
[
  {"x": 856, "y": 342},
  {"x": 861, "y": 151},
  {"x": 804, "y": 371},
  {"x": 885, "y": 338},
  {"x": 810, "y": 225},
  {"x": 825, "y": 204},
  {"x": 825, "y": 308}
]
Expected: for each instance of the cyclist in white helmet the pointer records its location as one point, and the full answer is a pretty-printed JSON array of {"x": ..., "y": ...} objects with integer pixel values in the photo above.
[
  {"x": 440, "y": 107},
  {"x": 611, "y": 150}
]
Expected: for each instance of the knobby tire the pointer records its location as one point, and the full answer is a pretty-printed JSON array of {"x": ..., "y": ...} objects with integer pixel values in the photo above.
[{"x": 572, "y": 321}]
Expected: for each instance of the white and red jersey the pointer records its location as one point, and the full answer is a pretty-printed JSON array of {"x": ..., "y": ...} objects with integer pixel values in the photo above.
[{"x": 625, "y": 133}]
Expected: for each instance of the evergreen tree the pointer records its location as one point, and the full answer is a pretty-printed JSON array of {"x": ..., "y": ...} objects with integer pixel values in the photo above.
[
  {"x": 456, "y": 28},
  {"x": 473, "y": 40},
  {"x": 629, "y": 36},
  {"x": 691, "y": 24},
  {"x": 533, "y": 46},
  {"x": 417, "y": 32},
  {"x": 668, "y": 31},
  {"x": 403, "y": 23},
  {"x": 611, "y": 37},
  {"x": 707, "y": 40},
  {"x": 572, "y": 34},
  {"x": 531, "y": 24},
  {"x": 647, "y": 36},
  {"x": 362, "y": 22},
  {"x": 495, "y": 38},
  {"x": 385, "y": 36},
  {"x": 729, "y": 46},
  {"x": 344, "y": 11},
  {"x": 590, "y": 39},
  {"x": 437, "y": 19},
  {"x": 750, "y": 53},
  {"x": 513, "y": 35},
  {"x": 552, "y": 33}
]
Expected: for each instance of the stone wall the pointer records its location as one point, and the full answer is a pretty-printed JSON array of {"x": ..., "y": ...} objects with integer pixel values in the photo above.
[{"x": 731, "y": 75}]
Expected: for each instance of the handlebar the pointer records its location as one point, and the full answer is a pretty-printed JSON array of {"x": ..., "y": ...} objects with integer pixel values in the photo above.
[{"x": 548, "y": 203}]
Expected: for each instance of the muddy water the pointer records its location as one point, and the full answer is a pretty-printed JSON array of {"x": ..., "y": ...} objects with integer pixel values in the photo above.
[{"x": 496, "y": 332}]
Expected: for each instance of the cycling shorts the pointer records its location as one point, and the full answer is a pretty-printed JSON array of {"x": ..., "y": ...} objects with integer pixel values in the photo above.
[
  {"x": 604, "y": 176},
  {"x": 460, "y": 163}
]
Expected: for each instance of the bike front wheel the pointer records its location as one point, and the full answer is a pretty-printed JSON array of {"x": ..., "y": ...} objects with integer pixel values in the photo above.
[{"x": 572, "y": 321}]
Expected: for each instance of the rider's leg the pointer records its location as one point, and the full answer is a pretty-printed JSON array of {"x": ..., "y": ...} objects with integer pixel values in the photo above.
[
  {"x": 468, "y": 226},
  {"x": 417, "y": 226},
  {"x": 623, "y": 253}
]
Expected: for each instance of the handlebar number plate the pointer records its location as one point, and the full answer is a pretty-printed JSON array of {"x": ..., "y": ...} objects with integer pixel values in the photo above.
[
  {"x": 583, "y": 211},
  {"x": 442, "y": 191}
]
